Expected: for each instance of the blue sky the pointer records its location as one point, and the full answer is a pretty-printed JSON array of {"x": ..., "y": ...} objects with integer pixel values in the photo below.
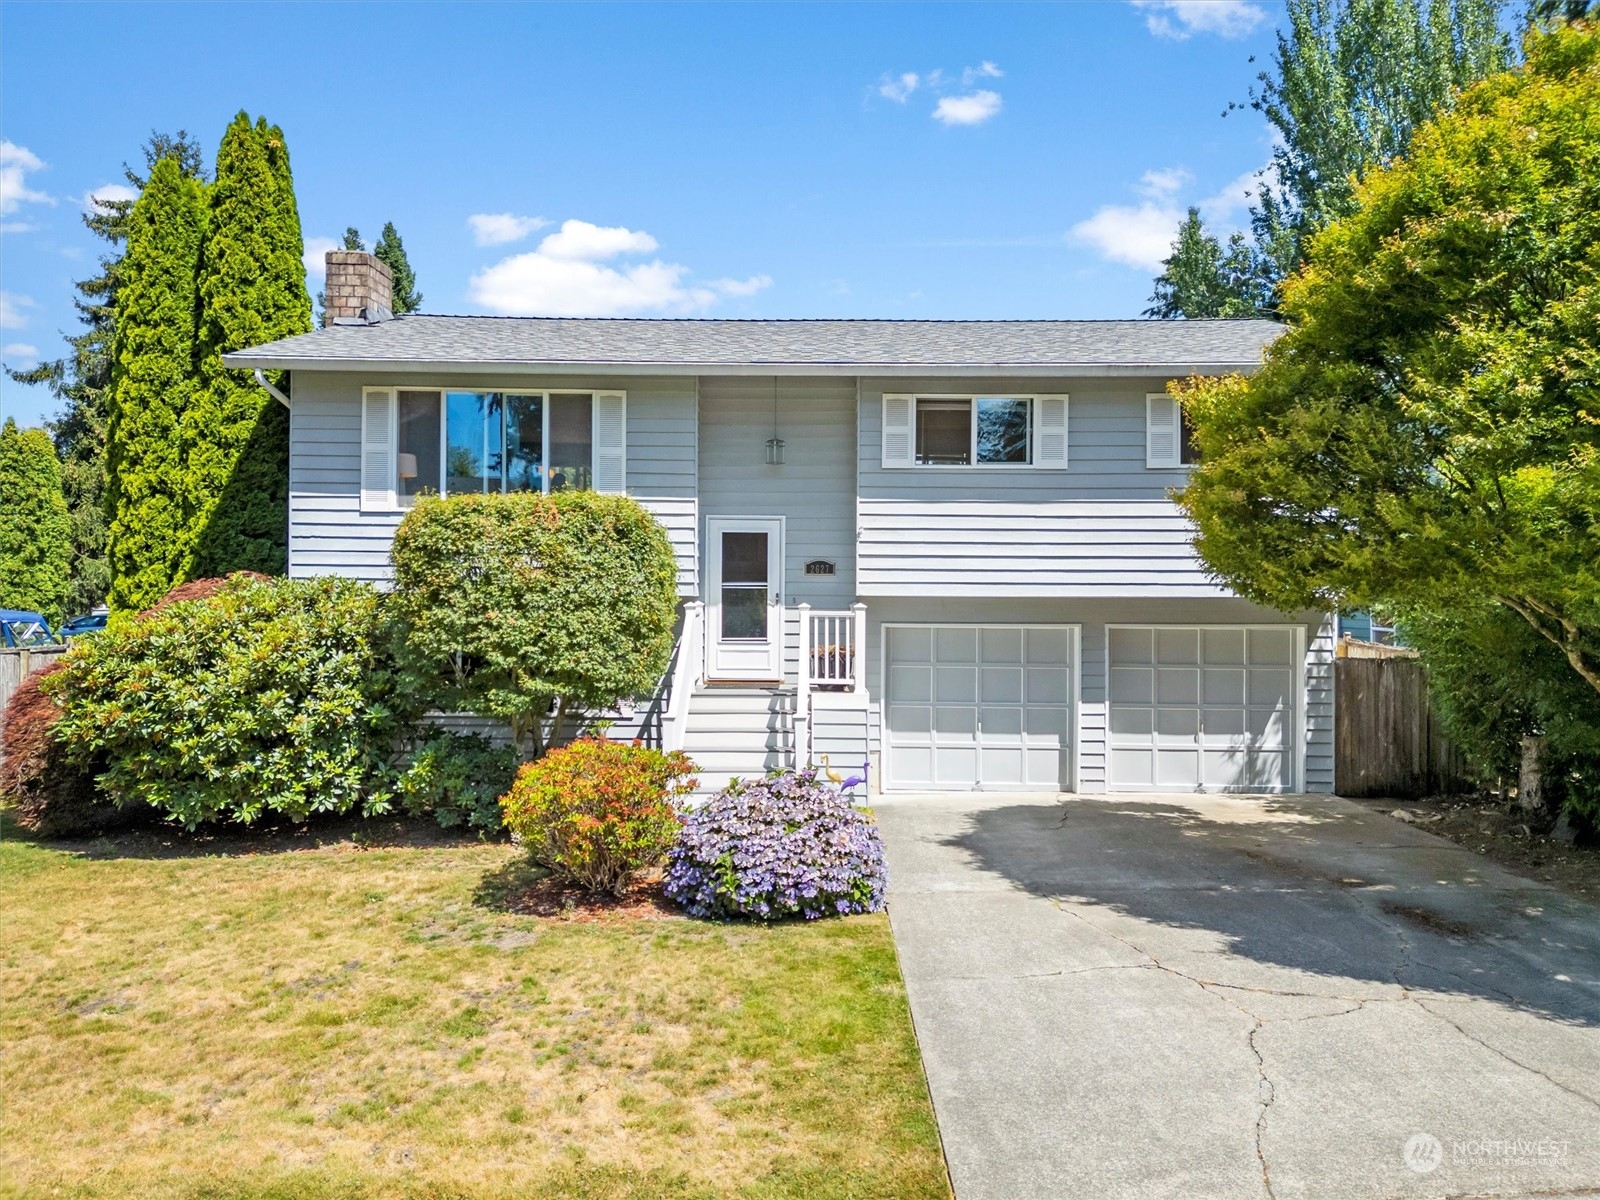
[{"x": 707, "y": 160}]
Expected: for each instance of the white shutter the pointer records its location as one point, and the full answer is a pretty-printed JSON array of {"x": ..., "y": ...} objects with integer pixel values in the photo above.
[
  {"x": 610, "y": 441},
  {"x": 1162, "y": 432},
  {"x": 897, "y": 415},
  {"x": 1050, "y": 432},
  {"x": 377, "y": 450}
]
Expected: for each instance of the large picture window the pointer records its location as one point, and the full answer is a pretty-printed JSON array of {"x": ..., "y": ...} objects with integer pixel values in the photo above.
[
  {"x": 453, "y": 441},
  {"x": 958, "y": 431}
]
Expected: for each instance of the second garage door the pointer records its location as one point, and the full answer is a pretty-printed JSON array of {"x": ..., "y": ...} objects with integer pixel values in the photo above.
[
  {"x": 1202, "y": 708},
  {"x": 979, "y": 706}
]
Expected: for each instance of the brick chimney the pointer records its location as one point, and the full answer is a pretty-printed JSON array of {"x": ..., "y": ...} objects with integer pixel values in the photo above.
[{"x": 359, "y": 289}]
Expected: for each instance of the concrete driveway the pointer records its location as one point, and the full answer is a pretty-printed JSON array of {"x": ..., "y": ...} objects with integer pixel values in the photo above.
[{"x": 1187, "y": 996}]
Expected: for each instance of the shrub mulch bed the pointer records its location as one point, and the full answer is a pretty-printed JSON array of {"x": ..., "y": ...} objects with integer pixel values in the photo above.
[{"x": 645, "y": 900}]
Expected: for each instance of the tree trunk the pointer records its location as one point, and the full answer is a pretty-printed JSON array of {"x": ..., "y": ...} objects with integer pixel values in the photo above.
[{"x": 1530, "y": 779}]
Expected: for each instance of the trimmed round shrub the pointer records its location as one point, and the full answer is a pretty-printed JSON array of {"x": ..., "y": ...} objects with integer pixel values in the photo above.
[
  {"x": 50, "y": 795},
  {"x": 781, "y": 847},
  {"x": 598, "y": 812},
  {"x": 269, "y": 696}
]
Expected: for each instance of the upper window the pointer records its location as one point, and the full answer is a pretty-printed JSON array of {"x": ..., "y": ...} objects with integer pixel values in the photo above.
[
  {"x": 450, "y": 442},
  {"x": 1169, "y": 439},
  {"x": 966, "y": 431}
]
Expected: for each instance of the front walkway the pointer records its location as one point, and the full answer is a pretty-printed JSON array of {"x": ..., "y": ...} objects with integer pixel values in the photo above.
[{"x": 1190, "y": 997}]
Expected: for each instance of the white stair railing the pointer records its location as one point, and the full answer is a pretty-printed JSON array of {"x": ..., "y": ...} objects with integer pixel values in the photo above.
[
  {"x": 831, "y": 658},
  {"x": 686, "y": 674}
]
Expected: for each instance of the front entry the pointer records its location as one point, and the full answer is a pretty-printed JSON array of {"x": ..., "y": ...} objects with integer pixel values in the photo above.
[{"x": 744, "y": 574}]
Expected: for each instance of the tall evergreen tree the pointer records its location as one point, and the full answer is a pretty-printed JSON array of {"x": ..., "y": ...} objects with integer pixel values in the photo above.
[
  {"x": 1350, "y": 81},
  {"x": 352, "y": 239},
  {"x": 392, "y": 253},
  {"x": 81, "y": 381},
  {"x": 35, "y": 531},
  {"x": 1201, "y": 279},
  {"x": 152, "y": 385},
  {"x": 252, "y": 289}
]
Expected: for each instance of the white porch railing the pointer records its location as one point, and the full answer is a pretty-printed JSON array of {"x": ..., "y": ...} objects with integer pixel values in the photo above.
[
  {"x": 832, "y": 658},
  {"x": 686, "y": 673}
]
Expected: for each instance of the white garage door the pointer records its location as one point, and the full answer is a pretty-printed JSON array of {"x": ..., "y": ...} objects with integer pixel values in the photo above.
[
  {"x": 1207, "y": 707},
  {"x": 979, "y": 707}
]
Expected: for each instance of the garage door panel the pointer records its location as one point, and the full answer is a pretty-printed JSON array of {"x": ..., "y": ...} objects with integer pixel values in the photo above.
[
  {"x": 985, "y": 706},
  {"x": 1201, "y": 707}
]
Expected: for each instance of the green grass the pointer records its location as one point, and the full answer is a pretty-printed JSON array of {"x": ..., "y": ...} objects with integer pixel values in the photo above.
[{"x": 306, "y": 1019}]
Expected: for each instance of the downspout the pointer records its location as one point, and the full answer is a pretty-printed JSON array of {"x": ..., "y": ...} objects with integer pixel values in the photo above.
[{"x": 270, "y": 390}]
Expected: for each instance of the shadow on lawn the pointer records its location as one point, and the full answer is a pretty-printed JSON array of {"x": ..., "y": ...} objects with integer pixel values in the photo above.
[
  {"x": 1313, "y": 888},
  {"x": 151, "y": 837}
]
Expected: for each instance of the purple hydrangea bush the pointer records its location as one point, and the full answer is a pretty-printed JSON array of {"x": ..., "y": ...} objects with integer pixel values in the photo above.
[{"x": 784, "y": 846}]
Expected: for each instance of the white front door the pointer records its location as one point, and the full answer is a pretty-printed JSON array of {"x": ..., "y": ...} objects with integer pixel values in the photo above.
[{"x": 744, "y": 573}]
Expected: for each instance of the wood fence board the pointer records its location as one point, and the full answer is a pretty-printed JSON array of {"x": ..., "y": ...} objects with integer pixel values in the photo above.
[{"x": 1387, "y": 738}]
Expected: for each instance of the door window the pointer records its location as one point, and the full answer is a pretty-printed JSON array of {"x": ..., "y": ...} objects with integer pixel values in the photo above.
[{"x": 744, "y": 586}]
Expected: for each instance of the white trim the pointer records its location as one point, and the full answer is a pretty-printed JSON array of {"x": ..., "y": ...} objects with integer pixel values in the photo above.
[
  {"x": 972, "y": 398},
  {"x": 1041, "y": 460},
  {"x": 777, "y": 558},
  {"x": 1074, "y": 725},
  {"x": 869, "y": 370},
  {"x": 381, "y": 473},
  {"x": 1296, "y": 742}
]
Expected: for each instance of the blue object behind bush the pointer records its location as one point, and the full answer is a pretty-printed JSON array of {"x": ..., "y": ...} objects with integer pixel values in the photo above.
[{"x": 785, "y": 846}]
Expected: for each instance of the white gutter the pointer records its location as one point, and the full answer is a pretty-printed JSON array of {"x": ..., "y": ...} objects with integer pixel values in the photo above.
[
  {"x": 867, "y": 370},
  {"x": 271, "y": 391}
]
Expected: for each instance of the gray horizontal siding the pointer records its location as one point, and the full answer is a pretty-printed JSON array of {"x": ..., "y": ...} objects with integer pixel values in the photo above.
[
  {"x": 1104, "y": 526},
  {"x": 330, "y": 535},
  {"x": 1319, "y": 708}
]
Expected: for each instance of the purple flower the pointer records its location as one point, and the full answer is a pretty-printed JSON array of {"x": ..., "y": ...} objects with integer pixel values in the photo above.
[{"x": 784, "y": 846}]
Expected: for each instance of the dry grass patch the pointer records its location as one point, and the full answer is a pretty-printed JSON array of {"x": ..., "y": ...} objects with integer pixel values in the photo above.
[{"x": 312, "y": 1019}]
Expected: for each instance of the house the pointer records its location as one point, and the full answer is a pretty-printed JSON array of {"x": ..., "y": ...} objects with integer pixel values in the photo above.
[{"x": 944, "y": 546}]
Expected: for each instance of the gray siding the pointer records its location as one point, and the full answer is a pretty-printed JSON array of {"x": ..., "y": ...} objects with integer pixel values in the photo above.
[
  {"x": 1093, "y": 617},
  {"x": 330, "y": 535},
  {"x": 1103, "y": 526},
  {"x": 814, "y": 489}
]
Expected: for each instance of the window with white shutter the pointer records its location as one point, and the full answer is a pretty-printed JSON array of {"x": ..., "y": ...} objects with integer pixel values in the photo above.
[
  {"x": 610, "y": 442},
  {"x": 1163, "y": 444},
  {"x": 377, "y": 450},
  {"x": 1050, "y": 432},
  {"x": 897, "y": 411}
]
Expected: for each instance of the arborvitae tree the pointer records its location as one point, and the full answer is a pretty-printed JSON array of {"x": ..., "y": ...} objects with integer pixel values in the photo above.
[
  {"x": 252, "y": 289},
  {"x": 35, "y": 531},
  {"x": 81, "y": 381},
  {"x": 152, "y": 385},
  {"x": 1350, "y": 81},
  {"x": 392, "y": 253},
  {"x": 1200, "y": 279}
]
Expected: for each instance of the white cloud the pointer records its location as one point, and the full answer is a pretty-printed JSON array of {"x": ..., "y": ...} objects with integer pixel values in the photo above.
[
  {"x": 314, "y": 255},
  {"x": 496, "y": 229},
  {"x": 1138, "y": 236},
  {"x": 900, "y": 87},
  {"x": 18, "y": 227},
  {"x": 974, "y": 109},
  {"x": 15, "y": 163},
  {"x": 12, "y": 310},
  {"x": 1180, "y": 20},
  {"x": 95, "y": 198},
  {"x": 1168, "y": 181},
  {"x": 584, "y": 242},
  {"x": 1232, "y": 200},
  {"x": 567, "y": 276},
  {"x": 984, "y": 70},
  {"x": 742, "y": 287},
  {"x": 21, "y": 355}
]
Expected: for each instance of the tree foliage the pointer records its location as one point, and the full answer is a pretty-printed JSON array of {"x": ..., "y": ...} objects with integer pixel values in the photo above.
[
  {"x": 35, "y": 530},
  {"x": 1427, "y": 432},
  {"x": 252, "y": 289},
  {"x": 1201, "y": 279},
  {"x": 81, "y": 381},
  {"x": 152, "y": 386},
  {"x": 392, "y": 253},
  {"x": 509, "y": 604}
]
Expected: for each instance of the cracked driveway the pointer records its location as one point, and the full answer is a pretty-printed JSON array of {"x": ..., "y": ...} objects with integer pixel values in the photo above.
[{"x": 1221, "y": 996}]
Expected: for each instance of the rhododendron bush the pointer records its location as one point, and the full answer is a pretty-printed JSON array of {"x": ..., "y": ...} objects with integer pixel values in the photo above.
[{"x": 787, "y": 845}]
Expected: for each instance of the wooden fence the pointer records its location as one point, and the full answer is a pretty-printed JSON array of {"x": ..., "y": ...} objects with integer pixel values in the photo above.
[
  {"x": 17, "y": 665},
  {"x": 1387, "y": 741}
]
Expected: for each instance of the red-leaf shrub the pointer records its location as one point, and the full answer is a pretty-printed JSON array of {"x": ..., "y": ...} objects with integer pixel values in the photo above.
[
  {"x": 598, "y": 812},
  {"x": 49, "y": 795},
  {"x": 200, "y": 589}
]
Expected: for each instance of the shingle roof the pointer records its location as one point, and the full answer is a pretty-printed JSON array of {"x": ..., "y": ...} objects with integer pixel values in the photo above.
[{"x": 890, "y": 347}]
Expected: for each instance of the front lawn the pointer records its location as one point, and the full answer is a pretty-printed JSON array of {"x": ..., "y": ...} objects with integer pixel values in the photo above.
[{"x": 301, "y": 1017}]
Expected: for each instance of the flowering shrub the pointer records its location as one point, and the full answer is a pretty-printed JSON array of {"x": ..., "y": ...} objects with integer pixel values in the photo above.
[
  {"x": 783, "y": 846},
  {"x": 598, "y": 812}
]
